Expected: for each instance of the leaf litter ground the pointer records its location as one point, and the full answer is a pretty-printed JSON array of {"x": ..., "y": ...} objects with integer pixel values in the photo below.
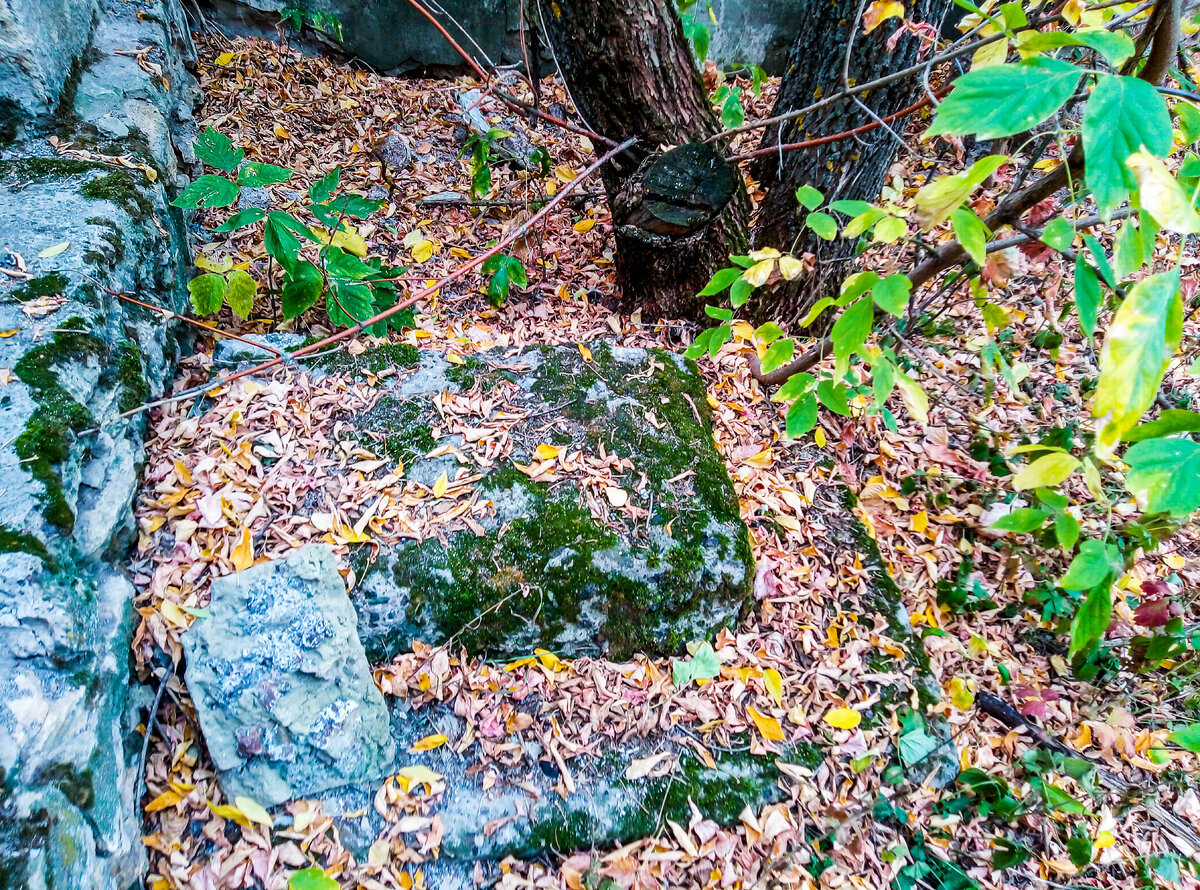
[{"x": 266, "y": 466}]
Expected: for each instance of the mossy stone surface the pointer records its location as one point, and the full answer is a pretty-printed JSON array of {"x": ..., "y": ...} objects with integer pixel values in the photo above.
[{"x": 546, "y": 572}]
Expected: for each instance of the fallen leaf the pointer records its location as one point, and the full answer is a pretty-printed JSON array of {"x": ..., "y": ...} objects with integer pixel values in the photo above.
[{"x": 843, "y": 718}]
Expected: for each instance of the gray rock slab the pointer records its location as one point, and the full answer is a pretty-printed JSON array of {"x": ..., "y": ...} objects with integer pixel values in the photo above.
[
  {"x": 553, "y": 563},
  {"x": 282, "y": 687}
]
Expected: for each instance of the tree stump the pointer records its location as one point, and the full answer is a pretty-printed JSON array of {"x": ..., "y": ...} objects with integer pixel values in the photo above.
[{"x": 676, "y": 219}]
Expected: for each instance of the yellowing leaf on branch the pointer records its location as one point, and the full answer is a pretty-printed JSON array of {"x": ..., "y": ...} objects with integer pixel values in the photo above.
[
  {"x": 879, "y": 12},
  {"x": 1049, "y": 469},
  {"x": 843, "y": 718}
]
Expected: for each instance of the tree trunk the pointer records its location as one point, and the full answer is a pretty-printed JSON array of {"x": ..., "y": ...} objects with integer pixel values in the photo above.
[
  {"x": 853, "y": 168},
  {"x": 677, "y": 216}
]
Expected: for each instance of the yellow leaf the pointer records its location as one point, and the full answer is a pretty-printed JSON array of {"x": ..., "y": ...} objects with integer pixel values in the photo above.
[
  {"x": 55, "y": 250},
  {"x": 254, "y": 811},
  {"x": 843, "y": 718},
  {"x": 763, "y": 458},
  {"x": 584, "y": 226},
  {"x": 4, "y": 335},
  {"x": 548, "y": 658},
  {"x": 547, "y": 452},
  {"x": 879, "y": 12},
  {"x": 790, "y": 267},
  {"x": 961, "y": 695},
  {"x": 163, "y": 801},
  {"x": 173, "y": 613},
  {"x": 243, "y": 554},
  {"x": 419, "y": 775},
  {"x": 758, "y": 274},
  {"x": 914, "y": 397},
  {"x": 440, "y": 486},
  {"x": 564, "y": 172},
  {"x": 819, "y": 437},
  {"x": 1174, "y": 560},
  {"x": 1049, "y": 469},
  {"x": 919, "y": 522},
  {"x": 774, "y": 684},
  {"x": 422, "y": 250},
  {"x": 281, "y": 132},
  {"x": 232, "y": 813},
  {"x": 223, "y": 59},
  {"x": 618, "y": 497},
  {"x": 429, "y": 743},
  {"x": 585, "y": 352},
  {"x": 768, "y": 726},
  {"x": 1162, "y": 195},
  {"x": 347, "y": 535},
  {"x": 210, "y": 265},
  {"x": 350, "y": 241},
  {"x": 520, "y": 663},
  {"x": 455, "y": 359}
]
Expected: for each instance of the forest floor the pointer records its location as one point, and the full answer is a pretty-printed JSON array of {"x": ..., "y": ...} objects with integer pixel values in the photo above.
[{"x": 813, "y": 662}]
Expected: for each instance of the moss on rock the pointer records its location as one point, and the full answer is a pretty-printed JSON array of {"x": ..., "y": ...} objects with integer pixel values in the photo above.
[{"x": 547, "y": 572}]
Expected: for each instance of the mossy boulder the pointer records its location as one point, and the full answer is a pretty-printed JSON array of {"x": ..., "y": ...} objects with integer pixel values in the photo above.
[{"x": 641, "y": 555}]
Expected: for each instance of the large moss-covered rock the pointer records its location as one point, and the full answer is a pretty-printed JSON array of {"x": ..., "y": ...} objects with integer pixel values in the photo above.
[
  {"x": 75, "y": 357},
  {"x": 637, "y": 557},
  {"x": 281, "y": 684}
]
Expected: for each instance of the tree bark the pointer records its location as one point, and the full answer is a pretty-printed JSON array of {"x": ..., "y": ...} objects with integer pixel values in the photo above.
[
  {"x": 850, "y": 169},
  {"x": 630, "y": 72}
]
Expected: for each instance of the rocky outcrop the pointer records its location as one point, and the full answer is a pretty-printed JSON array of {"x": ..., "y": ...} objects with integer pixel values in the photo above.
[
  {"x": 601, "y": 517},
  {"x": 395, "y": 38},
  {"x": 281, "y": 683},
  {"x": 107, "y": 80}
]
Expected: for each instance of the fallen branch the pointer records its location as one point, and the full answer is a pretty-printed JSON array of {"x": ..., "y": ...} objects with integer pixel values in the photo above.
[
  {"x": 345, "y": 334},
  {"x": 1003, "y": 712}
]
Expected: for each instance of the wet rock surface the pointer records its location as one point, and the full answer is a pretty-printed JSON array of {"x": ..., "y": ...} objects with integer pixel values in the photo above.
[
  {"x": 610, "y": 526},
  {"x": 281, "y": 683},
  {"x": 74, "y": 358}
]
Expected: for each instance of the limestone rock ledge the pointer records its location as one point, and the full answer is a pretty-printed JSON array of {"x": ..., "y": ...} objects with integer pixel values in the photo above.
[{"x": 73, "y": 358}]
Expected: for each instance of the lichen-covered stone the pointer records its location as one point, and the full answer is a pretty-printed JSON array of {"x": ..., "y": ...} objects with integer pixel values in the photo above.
[
  {"x": 79, "y": 356},
  {"x": 281, "y": 683},
  {"x": 545, "y": 572}
]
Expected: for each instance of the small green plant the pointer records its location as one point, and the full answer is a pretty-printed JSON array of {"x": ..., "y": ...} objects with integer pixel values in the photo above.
[
  {"x": 505, "y": 271},
  {"x": 298, "y": 17},
  {"x": 326, "y": 257},
  {"x": 482, "y": 149}
]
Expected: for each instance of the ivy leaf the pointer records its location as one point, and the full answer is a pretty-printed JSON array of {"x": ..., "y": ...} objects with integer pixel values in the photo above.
[
  {"x": 801, "y": 417},
  {"x": 1002, "y": 100},
  {"x": 971, "y": 233},
  {"x": 721, "y": 279},
  {"x": 1166, "y": 473},
  {"x": 703, "y": 665},
  {"x": 302, "y": 288},
  {"x": 1173, "y": 420},
  {"x": 311, "y": 879},
  {"x": 209, "y": 190},
  {"x": 1123, "y": 114},
  {"x": 257, "y": 175},
  {"x": 851, "y": 330},
  {"x": 217, "y": 150},
  {"x": 824, "y": 225},
  {"x": 1021, "y": 520},
  {"x": 207, "y": 293},
  {"x": 241, "y": 219},
  {"x": 240, "y": 292},
  {"x": 1091, "y": 621},
  {"x": 810, "y": 198},
  {"x": 322, "y": 190},
  {"x": 778, "y": 354},
  {"x": 1091, "y": 567},
  {"x": 1187, "y": 737},
  {"x": 891, "y": 294},
  {"x": 1144, "y": 334}
]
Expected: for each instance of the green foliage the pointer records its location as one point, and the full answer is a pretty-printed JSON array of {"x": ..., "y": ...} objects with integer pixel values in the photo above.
[
  {"x": 311, "y": 879},
  {"x": 1130, "y": 305},
  {"x": 702, "y": 665},
  {"x": 505, "y": 271},
  {"x": 326, "y": 257}
]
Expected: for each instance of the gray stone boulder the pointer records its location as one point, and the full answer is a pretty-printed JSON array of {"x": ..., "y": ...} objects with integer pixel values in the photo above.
[
  {"x": 79, "y": 356},
  {"x": 634, "y": 544},
  {"x": 282, "y": 687},
  {"x": 392, "y": 36}
]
